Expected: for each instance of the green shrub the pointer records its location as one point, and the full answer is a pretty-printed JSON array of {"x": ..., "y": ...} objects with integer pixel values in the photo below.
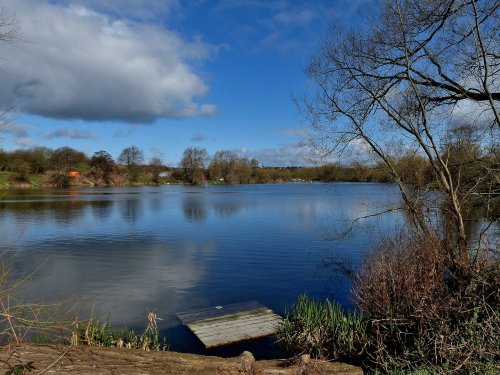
[
  {"x": 60, "y": 180},
  {"x": 322, "y": 329}
]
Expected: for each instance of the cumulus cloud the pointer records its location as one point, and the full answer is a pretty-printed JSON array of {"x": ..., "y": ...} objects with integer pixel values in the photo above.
[
  {"x": 77, "y": 63},
  {"x": 67, "y": 133}
]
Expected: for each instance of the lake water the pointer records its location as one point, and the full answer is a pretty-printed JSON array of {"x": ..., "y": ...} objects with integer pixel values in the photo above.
[{"x": 173, "y": 248}]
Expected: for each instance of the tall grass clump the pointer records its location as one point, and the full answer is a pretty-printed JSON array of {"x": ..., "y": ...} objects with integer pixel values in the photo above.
[
  {"x": 322, "y": 329},
  {"x": 94, "y": 333}
]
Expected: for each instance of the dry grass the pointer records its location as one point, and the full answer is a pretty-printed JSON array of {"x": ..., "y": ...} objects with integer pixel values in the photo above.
[
  {"x": 94, "y": 333},
  {"x": 421, "y": 314},
  {"x": 21, "y": 320}
]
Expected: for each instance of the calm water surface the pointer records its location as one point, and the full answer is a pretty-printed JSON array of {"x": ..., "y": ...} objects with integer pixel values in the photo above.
[{"x": 174, "y": 248}]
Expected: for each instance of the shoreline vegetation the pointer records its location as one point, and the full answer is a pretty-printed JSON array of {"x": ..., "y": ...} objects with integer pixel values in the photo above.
[
  {"x": 51, "y": 179},
  {"x": 65, "y": 167}
]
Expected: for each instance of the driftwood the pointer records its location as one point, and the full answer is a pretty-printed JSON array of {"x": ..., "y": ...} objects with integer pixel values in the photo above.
[{"x": 53, "y": 359}]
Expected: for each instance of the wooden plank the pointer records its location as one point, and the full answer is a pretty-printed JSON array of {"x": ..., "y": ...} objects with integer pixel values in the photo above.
[
  {"x": 215, "y": 311},
  {"x": 234, "y": 337},
  {"x": 247, "y": 325},
  {"x": 232, "y": 321},
  {"x": 216, "y": 326},
  {"x": 238, "y": 332}
]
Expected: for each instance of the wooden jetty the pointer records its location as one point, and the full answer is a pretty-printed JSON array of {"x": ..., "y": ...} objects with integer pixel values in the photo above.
[{"x": 222, "y": 325}]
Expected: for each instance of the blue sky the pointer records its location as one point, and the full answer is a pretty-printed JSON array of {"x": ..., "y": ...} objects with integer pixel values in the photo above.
[{"x": 163, "y": 75}]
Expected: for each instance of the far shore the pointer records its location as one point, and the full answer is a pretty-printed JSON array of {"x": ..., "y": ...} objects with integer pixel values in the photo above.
[{"x": 47, "y": 180}]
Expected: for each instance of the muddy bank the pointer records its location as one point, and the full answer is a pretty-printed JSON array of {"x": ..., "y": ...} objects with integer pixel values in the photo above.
[{"x": 52, "y": 359}]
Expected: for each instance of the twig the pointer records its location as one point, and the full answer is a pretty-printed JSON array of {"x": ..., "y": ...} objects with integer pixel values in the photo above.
[{"x": 53, "y": 363}]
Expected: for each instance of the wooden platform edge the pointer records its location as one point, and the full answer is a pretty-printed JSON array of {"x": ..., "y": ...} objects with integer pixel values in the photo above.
[
  {"x": 224, "y": 325},
  {"x": 190, "y": 316}
]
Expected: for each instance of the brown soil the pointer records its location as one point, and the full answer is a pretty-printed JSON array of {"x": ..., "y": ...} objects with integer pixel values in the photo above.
[{"x": 51, "y": 359}]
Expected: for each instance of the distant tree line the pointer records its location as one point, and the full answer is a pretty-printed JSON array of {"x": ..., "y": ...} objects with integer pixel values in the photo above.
[{"x": 465, "y": 155}]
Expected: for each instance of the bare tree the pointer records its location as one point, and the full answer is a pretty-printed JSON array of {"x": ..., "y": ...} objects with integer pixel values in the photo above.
[
  {"x": 399, "y": 79},
  {"x": 132, "y": 157},
  {"x": 9, "y": 32}
]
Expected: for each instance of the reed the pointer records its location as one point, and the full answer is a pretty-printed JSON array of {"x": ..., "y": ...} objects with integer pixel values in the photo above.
[
  {"x": 322, "y": 329},
  {"x": 101, "y": 334}
]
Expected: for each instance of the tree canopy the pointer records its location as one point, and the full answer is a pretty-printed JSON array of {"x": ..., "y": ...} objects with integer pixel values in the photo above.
[
  {"x": 193, "y": 162},
  {"x": 132, "y": 155},
  {"x": 102, "y": 162}
]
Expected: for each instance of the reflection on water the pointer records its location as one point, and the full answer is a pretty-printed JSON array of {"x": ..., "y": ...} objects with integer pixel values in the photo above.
[
  {"x": 131, "y": 209},
  {"x": 194, "y": 208},
  {"x": 101, "y": 209},
  {"x": 156, "y": 275},
  {"x": 174, "y": 248}
]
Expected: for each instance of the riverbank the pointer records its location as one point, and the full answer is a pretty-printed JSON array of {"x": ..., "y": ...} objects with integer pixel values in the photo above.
[
  {"x": 8, "y": 180},
  {"x": 56, "y": 359},
  {"x": 87, "y": 177}
]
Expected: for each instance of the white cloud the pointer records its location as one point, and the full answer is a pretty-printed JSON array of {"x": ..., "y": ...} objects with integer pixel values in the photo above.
[
  {"x": 24, "y": 142},
  {"x": 303, "y": 153},
  {"x": 135, "y": 9},
  {"x": 77, "y": 63},
  {"x": 474, "y": 113},
  {"x": 293, "y": 154},
  {"x": 68, "y": 133},
  {"x": 20, "y": 134}
]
